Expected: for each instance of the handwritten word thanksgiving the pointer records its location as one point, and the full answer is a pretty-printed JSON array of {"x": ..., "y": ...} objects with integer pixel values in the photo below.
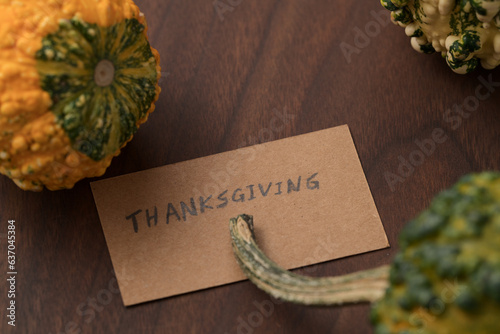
[{"x": 196, "y": 206}]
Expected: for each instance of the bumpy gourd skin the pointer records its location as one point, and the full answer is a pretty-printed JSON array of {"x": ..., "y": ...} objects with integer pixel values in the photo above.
[
  {"x": 48, "y": 126},
  {"x": 466, "y": 32},
  {"x": 446, "y": 277}
]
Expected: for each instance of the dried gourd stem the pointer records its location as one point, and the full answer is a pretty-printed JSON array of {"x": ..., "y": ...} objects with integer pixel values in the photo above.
[{"x": 363, "y": 286}]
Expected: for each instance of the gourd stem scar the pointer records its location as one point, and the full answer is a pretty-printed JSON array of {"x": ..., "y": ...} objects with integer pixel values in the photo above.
[{"x": 104, "y": 73}]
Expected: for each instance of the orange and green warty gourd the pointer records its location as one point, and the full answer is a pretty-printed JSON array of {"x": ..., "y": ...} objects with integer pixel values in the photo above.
[{"x": 77, "y": 78}]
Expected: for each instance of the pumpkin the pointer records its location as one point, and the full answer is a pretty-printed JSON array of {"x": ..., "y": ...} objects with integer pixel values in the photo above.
[
  {"x": 77, "y": 78},
  {"x": 445, "y": 279}
]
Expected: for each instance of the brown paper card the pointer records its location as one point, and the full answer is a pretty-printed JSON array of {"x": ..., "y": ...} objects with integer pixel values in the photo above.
[{"x": 167, "y": 228}]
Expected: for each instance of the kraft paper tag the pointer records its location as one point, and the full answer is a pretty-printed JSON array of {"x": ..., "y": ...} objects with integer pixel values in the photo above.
[{"x": 167, "y": 228}]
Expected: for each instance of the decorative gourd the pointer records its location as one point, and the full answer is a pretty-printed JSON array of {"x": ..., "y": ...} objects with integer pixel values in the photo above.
[
  {"x": 77, "y": 78},
  {"x": 466, "y": 32},
  {"x": 445, "y": 279}
]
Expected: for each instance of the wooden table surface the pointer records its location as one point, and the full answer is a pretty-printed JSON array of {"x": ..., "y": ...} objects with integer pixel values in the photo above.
[{"x": 226, "y": 73}]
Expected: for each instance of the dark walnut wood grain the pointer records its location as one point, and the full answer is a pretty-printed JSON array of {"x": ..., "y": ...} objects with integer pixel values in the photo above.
[{"x": 227, "y": 75}]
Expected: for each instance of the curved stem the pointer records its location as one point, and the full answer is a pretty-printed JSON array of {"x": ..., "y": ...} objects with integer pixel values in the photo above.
[{"x": 363, "y": 286}]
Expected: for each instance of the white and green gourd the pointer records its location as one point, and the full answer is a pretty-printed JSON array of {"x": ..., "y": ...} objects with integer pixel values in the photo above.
[{"x": 465, "y": 32}]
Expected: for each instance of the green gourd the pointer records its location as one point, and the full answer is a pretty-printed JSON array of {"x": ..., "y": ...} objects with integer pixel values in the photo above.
[{"x": 445, "y": 279}]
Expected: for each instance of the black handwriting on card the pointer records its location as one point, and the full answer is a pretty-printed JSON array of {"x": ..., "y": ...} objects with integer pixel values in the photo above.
[{"x": 197, "y": 206}]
